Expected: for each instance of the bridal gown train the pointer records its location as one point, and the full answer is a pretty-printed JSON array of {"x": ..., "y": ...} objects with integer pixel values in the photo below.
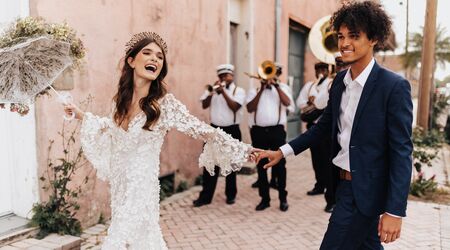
[{"x": 129, "y": 160}]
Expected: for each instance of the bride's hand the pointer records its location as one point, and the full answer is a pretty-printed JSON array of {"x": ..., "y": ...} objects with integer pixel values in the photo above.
[{"x": 71, "y": 109}]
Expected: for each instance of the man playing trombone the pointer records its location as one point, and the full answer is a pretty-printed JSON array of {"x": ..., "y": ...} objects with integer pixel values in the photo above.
[
  {"x": 268, "y": 108},
  {"x": 224, "y": 99}
]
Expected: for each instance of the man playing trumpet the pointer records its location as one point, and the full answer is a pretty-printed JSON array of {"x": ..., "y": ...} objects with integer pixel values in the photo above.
[{"x": 225, "y": 100}]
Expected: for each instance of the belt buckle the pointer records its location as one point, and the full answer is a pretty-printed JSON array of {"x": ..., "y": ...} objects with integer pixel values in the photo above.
[{"x": 345, "y": 175}]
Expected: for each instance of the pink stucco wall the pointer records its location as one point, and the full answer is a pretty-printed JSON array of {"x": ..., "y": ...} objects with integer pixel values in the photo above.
[
  {"x": 305, "y": 13},
  {"x": 190, "y": 29},
  {"x": 196, "y": 34}
]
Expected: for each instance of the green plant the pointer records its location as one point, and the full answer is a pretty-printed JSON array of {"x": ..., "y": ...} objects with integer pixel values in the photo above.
[
  {"x": 421, "y": 186},
  {"x": 166, "y": 188},
  {"x": 426, "y": 148},
  {"x": 57, "y": 215},
  {"x": 182, "y": 186},
  {"x": 440, "y": 105},
  {"x": 430, "y": 139},
  {"x": 198, "y": 180},
  {"x": 442, "y": 48},
  {"x": 101, "y": 219}
]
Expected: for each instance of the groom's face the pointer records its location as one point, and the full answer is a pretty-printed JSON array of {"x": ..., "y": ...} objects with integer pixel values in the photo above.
[{"x": 354, "y": 45}]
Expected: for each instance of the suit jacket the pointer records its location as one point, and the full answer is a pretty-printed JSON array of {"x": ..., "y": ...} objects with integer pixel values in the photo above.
[{"x": 380, "y": 142}]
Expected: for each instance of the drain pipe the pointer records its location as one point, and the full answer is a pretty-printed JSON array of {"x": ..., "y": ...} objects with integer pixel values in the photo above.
[{"x": 277, "y": 29}]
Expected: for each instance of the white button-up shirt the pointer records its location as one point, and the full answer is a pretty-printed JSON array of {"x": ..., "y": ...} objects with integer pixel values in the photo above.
[
  {"x": 220, "y": 113},
  {"x": 347, "y": 110},
  {"x": 268, "y": 112}
]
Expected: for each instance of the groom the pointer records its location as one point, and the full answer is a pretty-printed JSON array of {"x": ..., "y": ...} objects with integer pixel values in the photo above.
[{"x": 369, "y": 120}]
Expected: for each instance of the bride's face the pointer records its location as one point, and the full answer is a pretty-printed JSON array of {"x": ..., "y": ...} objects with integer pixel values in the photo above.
[{"x": 148, "y": 62}]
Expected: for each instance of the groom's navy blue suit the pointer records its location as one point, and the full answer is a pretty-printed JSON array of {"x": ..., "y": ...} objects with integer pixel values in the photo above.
[{"x": 380, "y": 144}]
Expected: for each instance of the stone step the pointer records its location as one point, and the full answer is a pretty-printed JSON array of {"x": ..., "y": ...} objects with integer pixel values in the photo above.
[{"x": 52, "y": 241}]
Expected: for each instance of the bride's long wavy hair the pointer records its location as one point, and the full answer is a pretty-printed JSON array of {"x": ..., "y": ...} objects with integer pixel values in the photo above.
[{"x": 124, "y": 96}]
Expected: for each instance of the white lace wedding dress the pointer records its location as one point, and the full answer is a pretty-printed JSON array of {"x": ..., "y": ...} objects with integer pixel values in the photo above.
[{"x": 129, "y": 160}]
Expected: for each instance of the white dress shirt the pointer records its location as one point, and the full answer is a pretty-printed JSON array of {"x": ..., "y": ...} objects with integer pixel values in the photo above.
[
  {"x": 320, "y": 93},
  {"x": 220, "y": 113},
  {"x": 347, "y": 111},
  {"x": 349, "y": 104},
  {"x": 268, "y": 112}
]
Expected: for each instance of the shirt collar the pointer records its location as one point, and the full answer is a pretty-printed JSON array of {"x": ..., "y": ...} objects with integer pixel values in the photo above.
[{"x": 362, "y": 78}]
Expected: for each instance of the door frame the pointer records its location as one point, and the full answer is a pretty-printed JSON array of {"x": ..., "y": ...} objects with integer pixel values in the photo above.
[{"x": 22, "y": 144}]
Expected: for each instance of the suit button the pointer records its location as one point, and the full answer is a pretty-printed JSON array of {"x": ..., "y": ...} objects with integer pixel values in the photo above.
[{"x": 351, "y": 146}]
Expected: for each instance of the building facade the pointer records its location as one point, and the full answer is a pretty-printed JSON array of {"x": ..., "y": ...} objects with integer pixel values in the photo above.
[{"x": 200, "y": 35}]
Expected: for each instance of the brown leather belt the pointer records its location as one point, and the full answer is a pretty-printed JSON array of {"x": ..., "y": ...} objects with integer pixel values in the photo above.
[{"x": 345, "y": 175}]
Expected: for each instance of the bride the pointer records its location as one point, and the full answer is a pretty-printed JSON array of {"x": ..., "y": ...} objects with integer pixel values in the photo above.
[{"x": 125, "y": 147}]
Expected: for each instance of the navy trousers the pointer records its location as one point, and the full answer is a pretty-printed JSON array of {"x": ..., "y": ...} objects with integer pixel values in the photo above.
[{"x": 348, "y": 229}]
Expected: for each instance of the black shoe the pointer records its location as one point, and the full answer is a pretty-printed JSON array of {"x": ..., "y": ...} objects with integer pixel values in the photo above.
[
  {"x": 315, "y": 191},
  {"x": 199, "y": 203},
  {"x": 329, "y": 208},
  {"x": 273, "y": 185},
  {"x": 231, "y": 201},
  {"x": 255, "y": 184},
  {"x": 262, "y": 205},
  {"x": 284, "y": 206}
]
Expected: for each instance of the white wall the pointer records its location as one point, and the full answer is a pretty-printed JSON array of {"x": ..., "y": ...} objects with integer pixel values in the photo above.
[{"x": 18, "y": 159}]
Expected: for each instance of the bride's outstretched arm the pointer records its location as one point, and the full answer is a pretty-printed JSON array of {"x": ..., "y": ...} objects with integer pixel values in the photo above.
[
  {"x": 220, "y": 148},
  {"x": 95, "y": 137},
  {"x": 96, "y": 141}
]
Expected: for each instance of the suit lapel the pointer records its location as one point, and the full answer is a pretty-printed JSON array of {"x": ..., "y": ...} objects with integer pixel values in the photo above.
[
  {"x": 337, "y": 103},
  {"x": 367, "y": 90}
]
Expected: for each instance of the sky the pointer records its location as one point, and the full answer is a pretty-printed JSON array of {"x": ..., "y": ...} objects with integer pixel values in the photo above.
[{"x": 416, "y": 21}]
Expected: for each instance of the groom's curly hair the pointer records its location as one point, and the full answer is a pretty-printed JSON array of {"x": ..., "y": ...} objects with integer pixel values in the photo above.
[{"x": 368, "y": 17}]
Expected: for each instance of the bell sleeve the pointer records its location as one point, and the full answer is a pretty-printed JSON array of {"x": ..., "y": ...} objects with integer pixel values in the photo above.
[
  {"x": 220, "y": 148},
  {"x": 96, "y": 141}
]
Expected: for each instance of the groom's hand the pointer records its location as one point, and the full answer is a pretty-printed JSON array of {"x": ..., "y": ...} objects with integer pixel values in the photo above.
[
  {"x": 389, "y": 228},
  {"x": 273, "y": 156}
]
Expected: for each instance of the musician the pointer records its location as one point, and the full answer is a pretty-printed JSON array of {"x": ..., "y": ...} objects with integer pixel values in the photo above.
[
  {"x": 224, "y": 100},
  {"x": 273, "y": 177},
  {"x": 267, "y": 107},
  {"x": 312, "y": 100}
]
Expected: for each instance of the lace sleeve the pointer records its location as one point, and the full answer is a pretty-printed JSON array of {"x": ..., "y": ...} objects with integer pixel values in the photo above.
[
  {"x": 220, "y": 148},
  {"x": 96, "y": 142}
]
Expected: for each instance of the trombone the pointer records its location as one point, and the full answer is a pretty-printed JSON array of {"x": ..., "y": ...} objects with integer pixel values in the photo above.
[{"x": 266, "y": 71}]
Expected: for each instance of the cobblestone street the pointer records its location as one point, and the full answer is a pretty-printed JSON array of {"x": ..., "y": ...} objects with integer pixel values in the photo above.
[{"x": 239, "y": 226}]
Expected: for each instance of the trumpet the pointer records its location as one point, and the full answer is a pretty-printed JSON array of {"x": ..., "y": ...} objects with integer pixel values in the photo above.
[{"x": 212, "y": 87}]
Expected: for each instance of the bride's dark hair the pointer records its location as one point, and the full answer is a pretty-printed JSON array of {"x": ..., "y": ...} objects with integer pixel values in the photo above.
[{"x": 124, "y": 96}]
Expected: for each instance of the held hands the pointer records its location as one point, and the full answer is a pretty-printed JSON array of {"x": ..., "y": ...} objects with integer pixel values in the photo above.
[
  {"x": 273, "y": 156},
  {"x": 389, "y": 228},
  {"x": 71, "y": 109}
]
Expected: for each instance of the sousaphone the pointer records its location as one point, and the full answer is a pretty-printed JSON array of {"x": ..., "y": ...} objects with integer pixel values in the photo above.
[{"x": 323, "y": 40}]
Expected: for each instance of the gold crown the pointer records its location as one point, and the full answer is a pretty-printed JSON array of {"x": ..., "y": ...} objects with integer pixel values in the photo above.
[{"x": 144, "y": 35}]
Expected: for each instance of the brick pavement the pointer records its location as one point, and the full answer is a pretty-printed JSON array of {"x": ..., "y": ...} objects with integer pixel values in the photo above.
[{"x": 239, "y": 226}]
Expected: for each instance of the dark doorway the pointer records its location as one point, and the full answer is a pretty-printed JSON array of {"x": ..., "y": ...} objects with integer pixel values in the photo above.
[{"x": 298, "y": 35}]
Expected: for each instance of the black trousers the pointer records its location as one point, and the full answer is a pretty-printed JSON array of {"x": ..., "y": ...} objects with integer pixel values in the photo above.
[
  {"x": 321, "y": 161},
  {"x": 270, "y": 138},
  {"x": 210, "y": 182}
]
